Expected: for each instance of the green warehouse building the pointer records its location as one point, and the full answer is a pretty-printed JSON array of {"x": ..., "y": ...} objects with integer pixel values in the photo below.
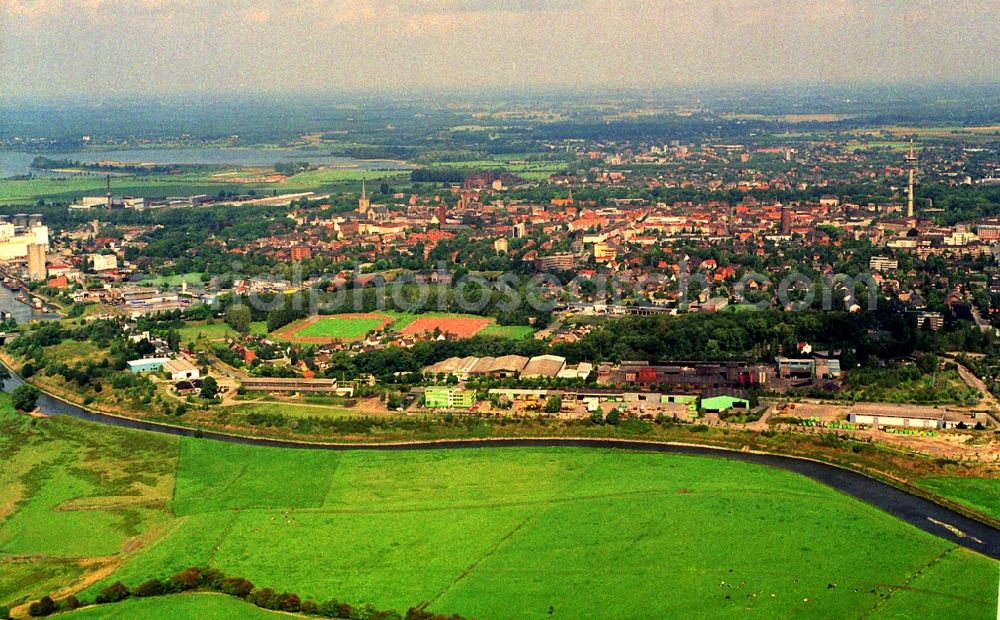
[
  {"x": 448, "y": 398},
  {"x": 723, "y": 402}
]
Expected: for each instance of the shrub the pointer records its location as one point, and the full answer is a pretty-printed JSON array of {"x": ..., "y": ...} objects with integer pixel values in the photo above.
[
  {"x": 289, "y": 601},
  {"x": 42, "y": 607},
  {"x": 211, "y": 577},
  {"x": 187, "y": 579},
  {"x": 153, "y": 587},
  {"x": 236, "y": 586},
  {"x": 69, "y": 603},
  {"x": 4, "y": 613},
  {"x": 25, "y": 397},
  {"x": 117, "y": 591},
  {"x": 329, "y": 609},
  {"x": 264, "y": 597}
]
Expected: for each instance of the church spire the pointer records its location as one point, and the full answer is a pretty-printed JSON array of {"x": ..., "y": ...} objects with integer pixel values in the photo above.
[{"x": 363, "y": 203}]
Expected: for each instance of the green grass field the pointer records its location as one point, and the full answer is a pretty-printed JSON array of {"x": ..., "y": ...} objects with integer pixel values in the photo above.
[
  {"x": 210, "y": 181},
  {"x": 201, "y": 606},
  {"x": 197, "y": 330},
  {"x": 518, "y": 532},
  {"x": 350, "y": 327},
  {"x": 341, "y": 328},
  {"x": 982, "y": 494},
  {"x": 511, "y": 332},
  {"x": 174, "y": 281},
  {"x": 294, "y": 410}
]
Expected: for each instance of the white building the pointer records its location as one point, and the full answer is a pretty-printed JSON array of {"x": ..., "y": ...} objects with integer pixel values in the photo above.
[
  {"x": 14, "y": 244},
  {"x": 878, "y": 415},
  {"x": 883, "y": 263},
  {"x": 181, "y": 369},
  {"x": 103, "y": 262}
]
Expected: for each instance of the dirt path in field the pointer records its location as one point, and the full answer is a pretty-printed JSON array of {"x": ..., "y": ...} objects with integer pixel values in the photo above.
[
  {"x": 99, "y": 568},
  {"x": 988, "y": 401},
  {"x": 105, "y": 567}
]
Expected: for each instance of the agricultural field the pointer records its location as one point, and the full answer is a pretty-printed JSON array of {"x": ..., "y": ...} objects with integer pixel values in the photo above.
[
  {"x": 325, "y": 175},
  {"x": 474, "y": 532},
  {"x": 982, "y": 494},
  {"x": 50, "y": 189},
  {"x": 208, "y": 181}
]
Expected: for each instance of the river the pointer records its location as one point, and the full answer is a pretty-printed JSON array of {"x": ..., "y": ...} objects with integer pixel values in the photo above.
[
  {"x": 22, "y": 313},
  {"x": 915, "y": 510},
  {"x": 13, "y": 163}
]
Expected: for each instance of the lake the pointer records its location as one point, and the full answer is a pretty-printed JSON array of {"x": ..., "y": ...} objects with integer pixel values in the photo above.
[{"x": 13, "y": 163}]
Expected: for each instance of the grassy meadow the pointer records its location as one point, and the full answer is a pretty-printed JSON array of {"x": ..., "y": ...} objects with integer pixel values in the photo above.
[
  {"x": 200, "y": 330},
  {"x": 525, "y": 532},
  {"x": 982, "y": 494},
  {"x": 208, "y": 181},
  {"x": 203, "y": 606}
]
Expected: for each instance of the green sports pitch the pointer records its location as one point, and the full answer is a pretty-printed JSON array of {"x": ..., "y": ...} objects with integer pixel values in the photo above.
[{"x": 337, "y": 327}]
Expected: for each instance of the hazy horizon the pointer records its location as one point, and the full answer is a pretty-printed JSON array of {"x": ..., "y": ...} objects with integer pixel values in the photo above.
[{"x": 83, "y": 48}]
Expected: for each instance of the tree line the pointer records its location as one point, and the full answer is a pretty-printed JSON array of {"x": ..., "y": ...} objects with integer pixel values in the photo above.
[{"x": 203, "y": 579}]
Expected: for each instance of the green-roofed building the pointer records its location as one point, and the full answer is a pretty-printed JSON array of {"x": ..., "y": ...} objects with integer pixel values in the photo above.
[
  {"x": 441, "y": 397},
  {"x": 723, "y": 402}
]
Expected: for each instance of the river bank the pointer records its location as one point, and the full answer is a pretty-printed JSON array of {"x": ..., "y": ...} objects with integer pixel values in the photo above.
[{"x": 927, "y": 512}]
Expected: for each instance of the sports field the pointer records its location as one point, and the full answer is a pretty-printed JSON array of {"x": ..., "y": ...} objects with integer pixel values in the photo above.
[
  {"x": 346, "y": 327},
  {"x": 323, "y": 329},
  {"x": 457, "y": 326},
  {"x": 515, "y": 532}
]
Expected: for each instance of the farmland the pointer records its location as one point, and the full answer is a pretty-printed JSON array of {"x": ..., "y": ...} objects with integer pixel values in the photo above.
[
  {"x": 208, "y": 181},
  {"x": 475, "y": 532}
]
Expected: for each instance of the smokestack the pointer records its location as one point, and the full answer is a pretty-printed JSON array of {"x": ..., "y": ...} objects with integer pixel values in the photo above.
[
  {"x": 786, "y": 221},
  {"x": 911, "y": 163},
  {"x": 107, "y": 181}
]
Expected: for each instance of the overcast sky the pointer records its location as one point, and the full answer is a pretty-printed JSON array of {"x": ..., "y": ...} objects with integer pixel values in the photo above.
[{"x": 85, "y": 47}]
